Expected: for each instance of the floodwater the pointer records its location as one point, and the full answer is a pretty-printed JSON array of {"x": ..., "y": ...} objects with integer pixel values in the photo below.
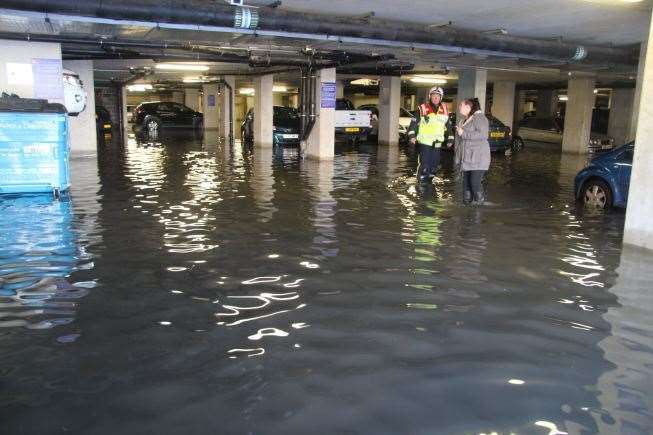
[{"x": 187, "y": 287}]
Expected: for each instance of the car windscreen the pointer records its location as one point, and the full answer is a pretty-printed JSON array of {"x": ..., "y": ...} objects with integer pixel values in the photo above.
[{"x": 285, "y": 113}]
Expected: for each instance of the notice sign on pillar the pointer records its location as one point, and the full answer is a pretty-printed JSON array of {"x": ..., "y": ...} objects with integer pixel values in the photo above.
[
  {"x": 328, "y": 95},
  {"x": 48, "y": 79},
  {"x": 211, "y": 100}
]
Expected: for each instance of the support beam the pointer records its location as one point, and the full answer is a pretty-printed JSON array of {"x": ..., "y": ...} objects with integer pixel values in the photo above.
[
  {"x": 228, "y": 107},
  {"x": 503, "y": 102},
  {"x": 210, "y": 108},
  {"x": 472, "y": 83},
  {"x": 578, "y": 117},
  {"x": 547, "y": 101},
  {"x": 263, "y": 110},
  {"x": 320, "y": 144},
  {"x": 621, "y": 108},
  {"x": 389, "y": 107},
  {"x": 192, "y": 98},
  {"x": 643, "y": 50},
  {"x": 83, "y": 133},
  {"x": 639, "y": 226}
]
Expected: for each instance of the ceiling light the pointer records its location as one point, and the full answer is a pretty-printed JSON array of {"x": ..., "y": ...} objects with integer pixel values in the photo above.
[
  {"x": 431, "y": 80},
  {"x": 563, "y": 98},
  {"x": 364, "y": 82},
  {"x": 278, "y": 89},
  {"x": 181, "y": 67},
  {"x": 139, "y": 87},
  {"x": 246, "y": 91}
]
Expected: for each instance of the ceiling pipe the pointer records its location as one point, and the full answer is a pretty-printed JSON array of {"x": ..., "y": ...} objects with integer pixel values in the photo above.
[{"x": 210, "y": 13}]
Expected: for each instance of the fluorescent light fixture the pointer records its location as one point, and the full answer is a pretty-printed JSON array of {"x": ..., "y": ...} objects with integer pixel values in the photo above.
[
  {"x": 193, "y": 79},
  {"x": 246, "y": 91},
  {"x": 430, "y": 80},
  {"x": 563, "y": 98},
  {"x": 279, "y": 89},
  {"x": 364, "y": 82},
  {"x": 182, "y": 67},
  {"x": 139, "y": 87}
]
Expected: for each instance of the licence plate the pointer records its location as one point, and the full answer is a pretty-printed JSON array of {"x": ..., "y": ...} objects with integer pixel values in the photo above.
[
  {"x": 352, "y": 129},
  {"x": 290, "y": 136},
  {"x": 497, "y": 134}
]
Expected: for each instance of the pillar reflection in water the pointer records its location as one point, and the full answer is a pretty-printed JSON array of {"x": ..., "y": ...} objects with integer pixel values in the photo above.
[
  {"x": 262, "y": 183},
  {"x": 625, "y": 392},
  {"x": 319, "y": 175}
]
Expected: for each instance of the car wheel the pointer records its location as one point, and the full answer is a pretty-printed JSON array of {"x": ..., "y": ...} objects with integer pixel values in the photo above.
[
  {"x": 597, "y": 195},
  {"x": 152, "y": 125},
  {"x": 517, "y": 144}
]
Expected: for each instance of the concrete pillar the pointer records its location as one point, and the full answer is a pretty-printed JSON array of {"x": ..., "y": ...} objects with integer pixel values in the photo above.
[
  {"x": 83, "y": 134},
  {"x": 503, "y": 102},
  {"x": 643, "y": 50},
  {"x": 226, "y": 109},
  {"x": 546, "y": 103},
  {"x": 210, "y": 104},
  {"x": 263, "y": 110},
  {"x": 126, "y": 126},
  {"x": 639, "y": 226},
  {"x": 178, "y": 97},
  {"x": 472, "y": 83},
  {"x": 192, "y": 98},
  {"x": 621, "y": 107},
  {"x": 340, "y": 89},
  {"x": 320, "y": 144},
  {"x": 578, "y": 117},
  {"x": 389, "y": 108}
]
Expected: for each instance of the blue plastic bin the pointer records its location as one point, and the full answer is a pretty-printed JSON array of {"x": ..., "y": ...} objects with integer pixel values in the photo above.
[{"x": 33, "y": 152}]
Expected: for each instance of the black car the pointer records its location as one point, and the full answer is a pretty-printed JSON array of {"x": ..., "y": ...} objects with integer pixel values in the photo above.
[
  {"x": 152, "y": 116},
  {"x": 285, "y": 122},
  {"x": 103, "y": 123},
  {"x": 500, "y": 135}
]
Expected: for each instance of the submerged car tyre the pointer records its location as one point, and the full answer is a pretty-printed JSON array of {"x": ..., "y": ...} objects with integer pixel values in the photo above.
[
  {"x": 517, "y": 144},
  {"x": 597, "y": 195}
]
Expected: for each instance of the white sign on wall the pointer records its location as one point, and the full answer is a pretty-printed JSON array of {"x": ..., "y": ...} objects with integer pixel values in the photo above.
[{"x": 19, "y": 73}]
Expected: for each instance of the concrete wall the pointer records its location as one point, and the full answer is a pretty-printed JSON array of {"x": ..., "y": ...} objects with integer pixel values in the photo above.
[{"x": 83, "y": 134}]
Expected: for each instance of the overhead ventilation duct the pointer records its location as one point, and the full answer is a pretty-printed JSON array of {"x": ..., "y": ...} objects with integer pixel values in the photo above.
[{"x": 216, "y": 16}]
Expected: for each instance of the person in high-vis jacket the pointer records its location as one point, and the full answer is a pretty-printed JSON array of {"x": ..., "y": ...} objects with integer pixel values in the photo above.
[{"x": 430, "y": 130}]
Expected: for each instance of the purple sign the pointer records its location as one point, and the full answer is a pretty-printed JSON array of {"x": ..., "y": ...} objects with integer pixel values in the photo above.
[
  {"x": 48, "y": 79},
  {"x": 328, "y": 95},
  {"x": 211, "y": 100}
]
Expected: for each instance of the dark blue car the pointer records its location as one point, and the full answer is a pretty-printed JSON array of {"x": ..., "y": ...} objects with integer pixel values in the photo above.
[{"x": 604, "y": 182}]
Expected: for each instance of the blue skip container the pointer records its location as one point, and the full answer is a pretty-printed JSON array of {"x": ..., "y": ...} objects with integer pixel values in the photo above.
[{"x": 33, "y": 147}]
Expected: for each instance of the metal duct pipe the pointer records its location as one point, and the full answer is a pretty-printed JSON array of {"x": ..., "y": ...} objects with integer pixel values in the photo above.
[
  {"x": 205, "y": 13},
  {"x": 312, "y": 89}
]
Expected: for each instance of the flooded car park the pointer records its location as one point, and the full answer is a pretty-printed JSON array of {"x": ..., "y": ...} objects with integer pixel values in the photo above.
[{"x": 254, "y": 292}]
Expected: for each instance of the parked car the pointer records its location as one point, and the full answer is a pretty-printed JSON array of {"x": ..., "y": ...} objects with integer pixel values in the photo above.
[
  {"x": 550, "y": 130},
  {"x": 74, "y": 94},
  {"x": 604, "y": 182},
  {"x": 352, "y": 125},
  {"x": 153, "y": 116},
  {"x": 103, "y": 123},
  {"x": 285, "y": 129},
  {"x": 500, "y": 135},
  {"x": 405, "y": 118}
]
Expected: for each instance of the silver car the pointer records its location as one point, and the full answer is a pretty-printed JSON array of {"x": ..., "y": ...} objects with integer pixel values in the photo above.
[{"x": 550, "y": 130}]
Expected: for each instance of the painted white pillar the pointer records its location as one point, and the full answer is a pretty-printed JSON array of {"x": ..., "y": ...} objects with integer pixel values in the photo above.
[
  {"x": 83, "y": 133},
  {"x": 210, "y": 104},
  {"x": 643, "y": 50},
  {"x": 192, "y": 98},
  {"x": 126, "y": 125},
  {"x": 639, "y": 225},
  {"x": 178, "y": 97},
  {"x": 621, "y": 107},
  {"x": 263, "y": 110},
  {"x": 578, "y": 116},
  {"x": 389, "y": 107},
  {"x": 503, "y": 102},
  {"x": 226, "y": 108},
  {"x": 320, "y": 144},
  {"x": 472, "y": 83}
]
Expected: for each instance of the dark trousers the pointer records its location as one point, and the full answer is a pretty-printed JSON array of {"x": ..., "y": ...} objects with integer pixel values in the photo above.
[
  {"x": 473, "y": 185},
  {"x": 429, "y": 159}
]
